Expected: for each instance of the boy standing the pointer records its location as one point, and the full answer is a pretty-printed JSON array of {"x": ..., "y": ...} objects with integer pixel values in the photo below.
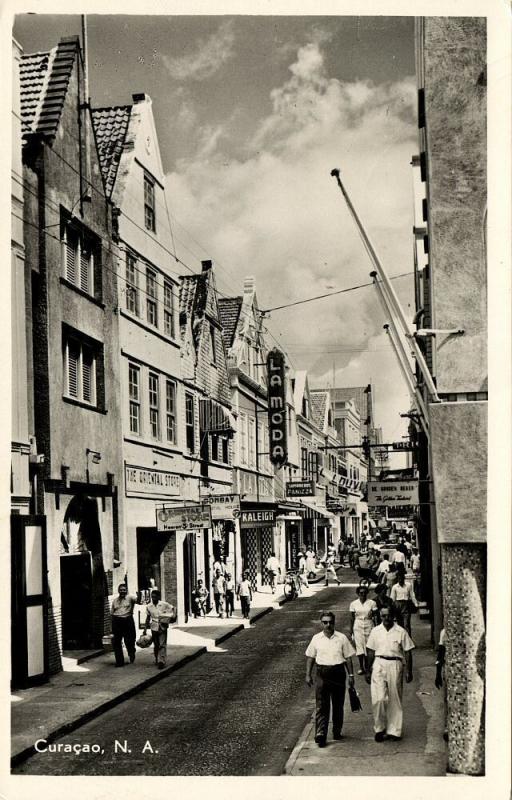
[{"x": 244, "y": 593}]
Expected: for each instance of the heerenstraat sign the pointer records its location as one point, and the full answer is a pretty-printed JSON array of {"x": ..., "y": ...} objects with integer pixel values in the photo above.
[{"x": 393, "y": 493}]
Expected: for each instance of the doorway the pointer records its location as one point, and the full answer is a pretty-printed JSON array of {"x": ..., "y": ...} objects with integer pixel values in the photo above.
[{"x": 76, "y": 594}]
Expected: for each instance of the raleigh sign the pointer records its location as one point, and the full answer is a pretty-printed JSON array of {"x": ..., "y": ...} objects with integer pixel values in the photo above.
[
  {"x": 183, "y": 518},
  {"x": 278, "y": 432},
  {"x": 393, "y": 493}
]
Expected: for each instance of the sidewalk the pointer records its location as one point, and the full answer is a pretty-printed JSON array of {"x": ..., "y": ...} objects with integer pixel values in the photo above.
[
  {"x": 422, "y": 751},
  {"x": 84, "y": 691}
]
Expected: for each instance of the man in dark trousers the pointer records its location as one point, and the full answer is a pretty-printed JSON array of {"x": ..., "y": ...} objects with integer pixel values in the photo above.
[
  {"x": 332, "y": 653},
  {"x": 123, "y": 626}
]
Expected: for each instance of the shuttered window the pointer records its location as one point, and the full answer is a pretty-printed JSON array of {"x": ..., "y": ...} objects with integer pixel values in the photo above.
[
  {"x": 80, "y": 371},
  {"x": 78, "y": 250},
  {"x": 170, "y": 408}
]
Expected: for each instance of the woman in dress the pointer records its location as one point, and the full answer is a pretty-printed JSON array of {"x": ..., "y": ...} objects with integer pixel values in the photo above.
[{"x": 362, "y": 612}]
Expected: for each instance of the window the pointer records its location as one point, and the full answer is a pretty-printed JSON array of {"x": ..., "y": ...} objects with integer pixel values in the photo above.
[
  {"x": 189, "y": 421},
  {"x": 252, "y": 442},
  {"x": 313, "y": 466},
  {"x": 149, "y": 203},
  {"x": 132, "y": 294},
  {"x": 78, "y": 257},
  {"x": 168, "y": 309},
  {"x": 154, "y": 417},
  {"x": 212, "y": 344},
  {"x": 304, "y": 462},
  {"x": 134, "y": 395},
  {"x": 243, "y": 438},
  {"x": 80, "y": 371},
  {"x": 220, "y": 448},
  {"x": 170, "y": 410},
  {"x": 305, "y": 407},
  {"x": 151, "y": 297}
]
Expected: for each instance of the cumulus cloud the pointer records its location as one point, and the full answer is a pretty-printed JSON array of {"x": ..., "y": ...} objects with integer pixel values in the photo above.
[
  {"x": 210, "y": 55},
  {"x": 277, "y": 214}
]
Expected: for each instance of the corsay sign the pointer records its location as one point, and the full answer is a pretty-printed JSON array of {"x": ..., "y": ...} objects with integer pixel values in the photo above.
[
  {"x": 278, "y": 432},
  {"x": 183, "y": 518},
  {"x": 300, "y": 489}
]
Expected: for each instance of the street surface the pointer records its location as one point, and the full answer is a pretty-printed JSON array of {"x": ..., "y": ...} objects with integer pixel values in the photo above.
[{"x": 236, "y": 711}]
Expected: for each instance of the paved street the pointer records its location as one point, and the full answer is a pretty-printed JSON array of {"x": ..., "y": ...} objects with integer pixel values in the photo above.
[{"x": 237, "y": 711}]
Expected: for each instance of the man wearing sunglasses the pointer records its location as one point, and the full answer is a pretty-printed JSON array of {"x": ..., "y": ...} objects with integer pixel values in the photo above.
[{"x": 332, "y": 653}]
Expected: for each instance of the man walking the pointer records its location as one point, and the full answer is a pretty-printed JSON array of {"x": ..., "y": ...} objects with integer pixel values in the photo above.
[
  {"x": 219, "y": 592},
  {"x": 332, "y": 653},
  {"x": 123, "y": 626},
  {"x": 388, "y": 647},
  {"x": 330, "y": 571},
  {"x": 159, "y": 614},
  {"x": 273, "y": 569}
]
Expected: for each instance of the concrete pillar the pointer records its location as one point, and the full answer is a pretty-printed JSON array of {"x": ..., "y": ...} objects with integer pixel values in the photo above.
[{"x": 464, "y": 593}]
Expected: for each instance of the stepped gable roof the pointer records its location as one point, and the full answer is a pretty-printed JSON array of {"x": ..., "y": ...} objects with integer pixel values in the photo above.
[
  {"x": 319, "y": 400},
  {"x": 229, "y": 314},
  {"x": 110, "y": 127},
  {"x": 44, "y": 80}
]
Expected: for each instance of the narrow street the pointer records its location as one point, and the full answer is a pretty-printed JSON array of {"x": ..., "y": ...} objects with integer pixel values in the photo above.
[{"x": 237, "y": 711}]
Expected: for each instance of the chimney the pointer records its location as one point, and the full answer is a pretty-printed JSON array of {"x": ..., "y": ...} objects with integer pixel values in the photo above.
[
  {"x": 141, "y": 97},
  {"x": 206, "y": 265},
  {"x": 249, "y": 284}
]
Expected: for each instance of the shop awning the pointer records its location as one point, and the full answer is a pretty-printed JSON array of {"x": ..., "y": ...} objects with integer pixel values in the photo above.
[
  {"x": 215, "y": 418},
  {"x": 321, "y": 510}
]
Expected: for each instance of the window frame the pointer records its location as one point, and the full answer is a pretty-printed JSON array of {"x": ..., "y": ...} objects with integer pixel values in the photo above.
[
  {"x": 132, "y": 283},
  {"x": 82, "y": 347},
  {"x": 151, "y": 296},
  {"x": 134, "y": 402},
  {"x": 149, "y": 203},
  {"x": 83, "y": 243},
  {"x": 154, "y": 405},
  {"x": 171, "y": 415},
  {"x": 190, "y": 422},
  {"x": 169, "y": 313}
]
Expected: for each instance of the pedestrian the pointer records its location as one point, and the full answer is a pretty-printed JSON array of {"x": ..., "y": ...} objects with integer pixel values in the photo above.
[
  {"x": 199, "y": 599},
  {"x": 230, "y": 595},
  {"x": 383, "y": 568},
  {"x": 341, "y": 551},
  {"x": 362, "y": 613},
  {"x": 440, "y": 681},
  {"x": 402, "y": 596},
  {"x": 303, "y": 570},
  {"x": 398, "y": 556},
  {"x": 331, "y": 550},
  {"x": 389, "y": 646},
  {"x": 273, "y": 569},
  {"x": 311, "y": 562},
  {"x": 220, "y": 564},
  {"x": 382, "y": 600},
  {"x": 330, "y": 571},
  {"x": 219, "y": 592},
  {"x": 159, "y": 614},
  {"x": 244, "y": 594},
  {"x": 332, "y": 653},
  {"x": 123, "y": 626}
]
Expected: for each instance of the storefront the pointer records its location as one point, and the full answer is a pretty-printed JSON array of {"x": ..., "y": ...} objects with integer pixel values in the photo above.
[{"x": 257, "y": 525}]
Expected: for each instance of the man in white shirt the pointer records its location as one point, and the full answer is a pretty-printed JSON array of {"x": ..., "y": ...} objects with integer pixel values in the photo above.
[
  {"x": 159, "y": 613},
  {"x": 398, "y": 557},
  {"x": 383, "y": 567},
  {"x": 273, "y": 569},
  {"x": 332, "y": 653},
  {"x": 388, "y": 647},
  {"x": 123, "y": 626}
]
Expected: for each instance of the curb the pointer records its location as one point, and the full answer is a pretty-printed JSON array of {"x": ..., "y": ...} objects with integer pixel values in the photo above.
[
  {"x": 87, "y": 716},
  {"x": 292, "y": 760}
]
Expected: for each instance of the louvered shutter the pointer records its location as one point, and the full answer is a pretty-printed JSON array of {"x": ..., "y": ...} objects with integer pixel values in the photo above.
[
  {"x": 84, "y": 269},
  {"x": 72, "y": 369},
  {"x": 71, "y": 248},
  {"x": 87, "y": 376}
]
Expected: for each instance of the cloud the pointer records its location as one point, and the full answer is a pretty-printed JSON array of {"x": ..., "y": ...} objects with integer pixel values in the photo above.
[
  {"x": 210, "y": 55},
  {"x": 277, "y": 214}
]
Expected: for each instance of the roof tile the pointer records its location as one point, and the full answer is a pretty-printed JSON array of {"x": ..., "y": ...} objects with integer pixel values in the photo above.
[{"x": 110, "y": 126}]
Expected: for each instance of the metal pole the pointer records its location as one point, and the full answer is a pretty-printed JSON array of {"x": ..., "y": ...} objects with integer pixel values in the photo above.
[
  {"x": 415, "y": 392},
  {"x": 393, "y": 297}
]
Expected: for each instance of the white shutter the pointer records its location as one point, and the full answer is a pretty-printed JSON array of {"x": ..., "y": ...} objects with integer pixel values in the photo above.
[
  {"x": 71, "y": 266},
  {"x": 84, "y": 269},
  {"x": 73, "y": 358}
]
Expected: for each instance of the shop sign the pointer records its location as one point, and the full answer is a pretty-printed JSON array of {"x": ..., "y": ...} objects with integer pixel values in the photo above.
[
  {"x": 140, "y": 480},
  {"x": 223, "y": 506},
  {"x": 277, "y": 427},
  {"x": 300, "y": 489},
  {"x": 257, "y": 518},
  {"x": 393, "y": 493},
  {"x": 183, "y": 518}
]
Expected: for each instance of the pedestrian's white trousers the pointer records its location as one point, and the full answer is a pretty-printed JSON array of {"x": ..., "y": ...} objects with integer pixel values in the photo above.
[{"x": 386, "y": 691}]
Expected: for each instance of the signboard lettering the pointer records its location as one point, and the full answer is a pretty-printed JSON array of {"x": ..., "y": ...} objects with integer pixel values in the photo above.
[
  {"x": 300, "y": 489},
  {"x": 278, "y": 431},
  {"x": 183, "y": 518},
  {"x": 393, "y": 493},
  {"x": 254, "y": 518},
  {"x": 223, "y": 506},
  {"x": 141, "y": 480}
]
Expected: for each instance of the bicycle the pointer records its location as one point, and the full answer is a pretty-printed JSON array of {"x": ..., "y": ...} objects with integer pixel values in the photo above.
[{"x": 292, "y": 585}]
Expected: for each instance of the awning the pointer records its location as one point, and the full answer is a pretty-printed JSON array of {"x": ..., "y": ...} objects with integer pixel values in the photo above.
[
  {"x": 321, "y": 510},
  {"x": 215, "y": 418}
]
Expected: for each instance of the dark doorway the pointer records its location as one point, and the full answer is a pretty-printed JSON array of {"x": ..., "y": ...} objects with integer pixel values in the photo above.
[
  {"x": 76, "y": 594},
  {"x": 150, "y": 546}
]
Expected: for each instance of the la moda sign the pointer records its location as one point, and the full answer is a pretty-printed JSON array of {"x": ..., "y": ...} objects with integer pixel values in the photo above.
[{"x": 278, "y": 432}]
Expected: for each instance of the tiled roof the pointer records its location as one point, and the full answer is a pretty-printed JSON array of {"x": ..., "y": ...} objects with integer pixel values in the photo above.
[
  {"x": 44, "y": 79},
  {"x": 110, "y": 126},
  {"x": 318, "y": 406},
  {"x": 229, "y": 314}
]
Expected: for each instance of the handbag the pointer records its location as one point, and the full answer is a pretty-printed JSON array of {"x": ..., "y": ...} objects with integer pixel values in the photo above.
[{"x": 355, "y": 703}]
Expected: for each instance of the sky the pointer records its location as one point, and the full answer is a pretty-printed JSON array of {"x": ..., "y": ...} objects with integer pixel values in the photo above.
[{"x": 252, "y": 113}]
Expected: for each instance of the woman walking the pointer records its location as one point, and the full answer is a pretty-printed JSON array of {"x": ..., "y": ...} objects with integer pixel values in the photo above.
[
  {"x": 403, "y": 597},
  {"x": 362, "y": 613}
]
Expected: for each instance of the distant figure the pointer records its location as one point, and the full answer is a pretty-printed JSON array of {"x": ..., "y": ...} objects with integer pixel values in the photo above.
[
  {"x": 219, "y": 591},
  {"x": 199, "y": 599},
  {"x": 382, "y": 600},
  {"x": 244, "y": 594},
  {"x": 383, "y": 568},
  {"x": 330, "y": 571},
  {"x": 310, "y": 562},
  {"x": 403, "y": 597},
  {"x": 303, "y": 570},
  {"x": 123, "y": 626},
  {"x": 362, "y": 613},
  {"x": 273, "y": 569},
  {"x": 388, "y": 646},
  {"x": 230, "y": 595}
]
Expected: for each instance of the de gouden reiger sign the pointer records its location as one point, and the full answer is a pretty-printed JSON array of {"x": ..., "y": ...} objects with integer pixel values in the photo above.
[
  {"x": 393, "y": 493},
  {"x": 277, "y": 428}
]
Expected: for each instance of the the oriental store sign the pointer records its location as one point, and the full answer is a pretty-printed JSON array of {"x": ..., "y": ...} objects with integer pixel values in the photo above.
[{"x": 278, "y": 433}]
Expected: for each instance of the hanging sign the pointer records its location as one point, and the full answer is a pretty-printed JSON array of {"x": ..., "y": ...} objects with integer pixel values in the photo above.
[
  {"x": 393, "y": 493},
  {"x": 183, "y": 518},
  {"x": 278, "y": 431},
  {"x": 300, "y": 489},
  {"x": 224, "y": 506}
]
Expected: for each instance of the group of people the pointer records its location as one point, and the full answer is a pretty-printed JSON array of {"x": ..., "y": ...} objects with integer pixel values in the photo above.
[
  {"x": 159, "y": 614},
  {"x": 387, "y": 654}
]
